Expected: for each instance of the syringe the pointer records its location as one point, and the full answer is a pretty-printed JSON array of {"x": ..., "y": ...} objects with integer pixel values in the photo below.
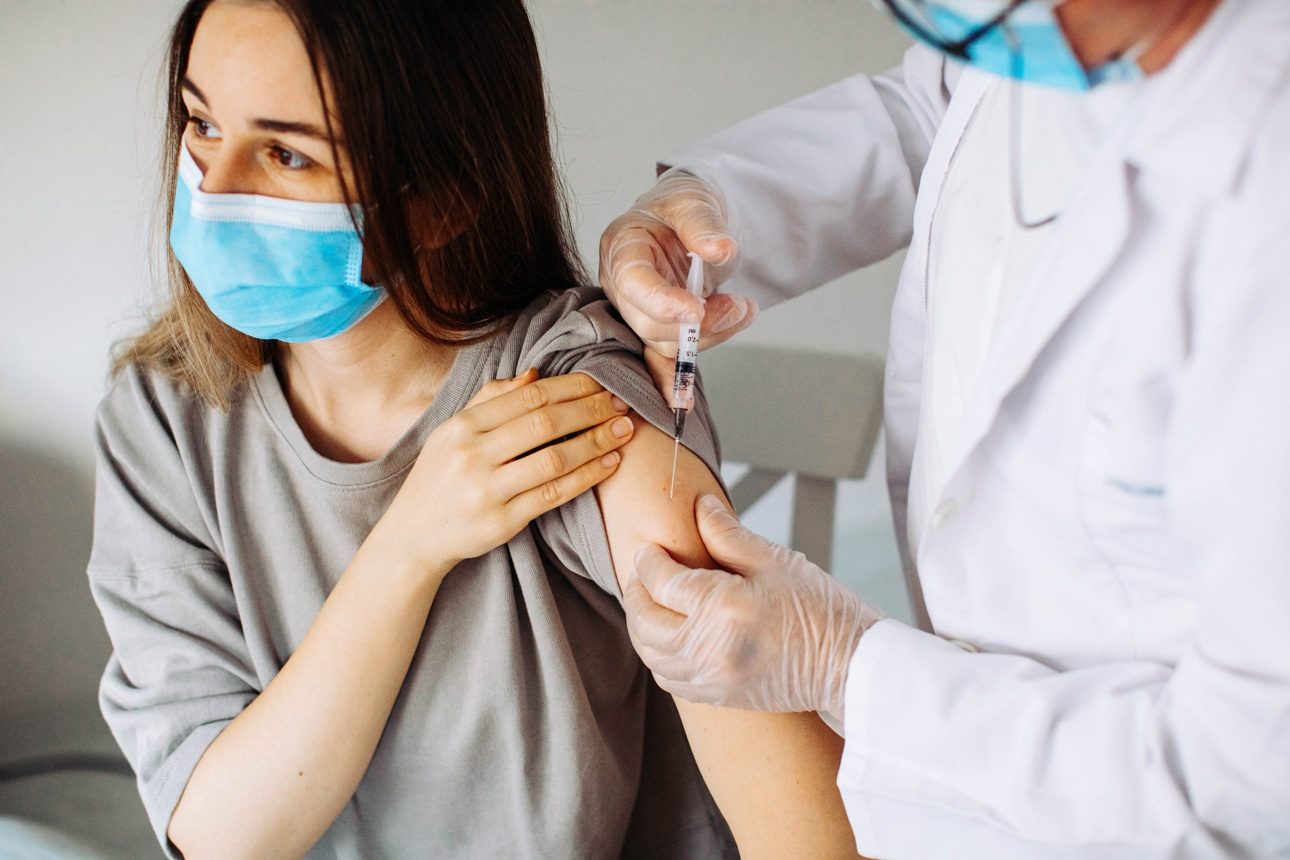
[{"x": 687, "y": 357}]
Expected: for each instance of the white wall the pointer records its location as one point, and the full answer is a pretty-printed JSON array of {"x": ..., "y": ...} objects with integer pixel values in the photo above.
[
  {"x": 79, "y": 89},
  {"x": 76, "y": 157},
  {"x": 632, "y": 79}
]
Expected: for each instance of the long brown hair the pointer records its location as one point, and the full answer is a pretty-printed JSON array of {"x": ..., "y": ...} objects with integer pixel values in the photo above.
[{"x": 442, "y": 108}]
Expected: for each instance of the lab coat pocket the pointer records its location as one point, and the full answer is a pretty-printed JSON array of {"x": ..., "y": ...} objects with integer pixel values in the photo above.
[
  {"x": 1124, "y": 503},
  {"x": 1123, "y": 485}
]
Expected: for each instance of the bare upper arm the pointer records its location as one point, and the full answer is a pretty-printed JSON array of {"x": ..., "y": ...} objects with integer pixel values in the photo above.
[{"x": 773, "y": 775}]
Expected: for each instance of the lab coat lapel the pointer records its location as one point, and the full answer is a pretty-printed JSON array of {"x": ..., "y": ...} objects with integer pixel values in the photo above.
[
  {"x": 909, "y": 325},
  {"x": 1090, "y": 235},
  {"x": 1192, "y": 127}
]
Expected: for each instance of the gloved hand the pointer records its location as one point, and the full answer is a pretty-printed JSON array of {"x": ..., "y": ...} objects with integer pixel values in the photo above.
[
  {"x": 643, "y": 264},
  {"x": 771, "y": 632}
]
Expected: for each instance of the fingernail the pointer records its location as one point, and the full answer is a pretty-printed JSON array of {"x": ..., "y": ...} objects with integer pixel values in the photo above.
[
  {"x": 621, "y": 427},
  {"x": 720, "y": 249},
  {"x": 609, "y": 460},
  {"x": 640, "y": 554},
  {"x": 710, "y": 504},
  {"x": 729, "y": 318},
  {"x": 620, "y": 405}
]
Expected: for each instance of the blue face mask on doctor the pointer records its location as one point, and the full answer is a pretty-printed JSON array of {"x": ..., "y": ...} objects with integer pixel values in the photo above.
[
  {"x": 1019, "y": 39},
  {"x": 271, "y": 268}
]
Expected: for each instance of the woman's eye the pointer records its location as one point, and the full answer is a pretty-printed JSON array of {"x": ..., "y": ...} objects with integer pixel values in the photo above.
[
  {"x": 203, "y": 129},
  {"x": 288, "y": 159}
]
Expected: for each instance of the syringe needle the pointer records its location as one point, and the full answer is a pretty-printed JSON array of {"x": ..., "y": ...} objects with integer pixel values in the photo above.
[{"x": 676, "y": 449}]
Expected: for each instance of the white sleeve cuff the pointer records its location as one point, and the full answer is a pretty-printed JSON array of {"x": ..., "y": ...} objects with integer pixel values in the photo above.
[
  {"x": 874, "y": 644},
  {"x": 882, "y": 728}
]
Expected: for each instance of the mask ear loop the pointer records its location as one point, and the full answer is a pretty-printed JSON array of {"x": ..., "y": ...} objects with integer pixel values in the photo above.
[
  {"x": 1015, "y": 135},
  {"x": 1133, "y": 53}
]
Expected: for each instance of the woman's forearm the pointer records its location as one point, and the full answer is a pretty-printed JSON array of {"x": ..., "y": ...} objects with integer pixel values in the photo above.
[{"x": 276, "y": 778}]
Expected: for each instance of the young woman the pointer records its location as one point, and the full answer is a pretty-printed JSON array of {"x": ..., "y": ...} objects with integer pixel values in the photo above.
[{"x": 360, "y": 600}]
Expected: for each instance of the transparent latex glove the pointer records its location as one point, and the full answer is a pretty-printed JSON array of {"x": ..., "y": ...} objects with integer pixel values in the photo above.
[
  {"x": 770, "y": 632},
  {"x": 643, "y": 264}
]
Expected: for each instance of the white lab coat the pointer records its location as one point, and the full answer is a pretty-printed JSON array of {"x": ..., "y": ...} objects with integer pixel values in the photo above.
[{"x": 1113, "y": 530}]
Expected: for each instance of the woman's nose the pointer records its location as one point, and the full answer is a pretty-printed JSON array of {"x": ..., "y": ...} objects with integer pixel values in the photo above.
[{"x": 224, "y": 172}]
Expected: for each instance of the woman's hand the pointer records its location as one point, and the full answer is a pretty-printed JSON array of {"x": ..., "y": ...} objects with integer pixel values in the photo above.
[{"x": 479, "y": 479}]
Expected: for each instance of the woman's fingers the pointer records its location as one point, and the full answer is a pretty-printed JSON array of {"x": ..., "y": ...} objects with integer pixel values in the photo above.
[
  {"x": 560, "y": 459},
  {"x": 537, "y": 428},
  {"x": 549, "y": 495},
  {"x": 502, "y": 407},
  {"x": 497, "y": 387}
]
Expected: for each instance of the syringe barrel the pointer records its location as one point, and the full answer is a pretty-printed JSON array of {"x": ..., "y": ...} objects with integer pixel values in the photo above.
[{"x": 687, "y": 357}]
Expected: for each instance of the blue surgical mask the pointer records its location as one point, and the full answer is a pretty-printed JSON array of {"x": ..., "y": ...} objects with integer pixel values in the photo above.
[
  {"x": 271, "y": 268},
  {"x": 1021, "y": 40}
]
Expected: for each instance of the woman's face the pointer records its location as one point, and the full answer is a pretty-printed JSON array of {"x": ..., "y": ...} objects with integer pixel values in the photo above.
[{"x": 256, "y": 118}]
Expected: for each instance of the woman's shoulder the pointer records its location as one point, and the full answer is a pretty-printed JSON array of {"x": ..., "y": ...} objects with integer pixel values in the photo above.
[
  {"x": 152, "y": 446},
  {"x": 578, "y": 305},
  {"x": 149, "y": 411},
  {"x": 136, "y": 392},
  {"x": 563, "y": 326}
]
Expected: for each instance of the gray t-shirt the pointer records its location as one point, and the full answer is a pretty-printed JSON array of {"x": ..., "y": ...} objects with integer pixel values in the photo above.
[{"x": 526, "y": 727}]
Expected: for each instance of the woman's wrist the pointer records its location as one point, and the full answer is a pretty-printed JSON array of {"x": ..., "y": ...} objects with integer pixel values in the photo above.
[{"x": 398, "y": 558}]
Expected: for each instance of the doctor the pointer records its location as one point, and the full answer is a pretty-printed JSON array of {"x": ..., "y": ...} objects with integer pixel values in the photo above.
[{"x": 1087, "y": 418}]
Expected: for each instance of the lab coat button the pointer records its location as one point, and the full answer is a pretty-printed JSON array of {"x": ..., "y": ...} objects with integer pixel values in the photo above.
[
  {"x": 966, "y": 646},
  {"x": 944, "y": 512}
]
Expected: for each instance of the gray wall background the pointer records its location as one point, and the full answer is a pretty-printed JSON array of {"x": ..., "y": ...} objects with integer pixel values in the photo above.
[{"x": 79, "y": 89}]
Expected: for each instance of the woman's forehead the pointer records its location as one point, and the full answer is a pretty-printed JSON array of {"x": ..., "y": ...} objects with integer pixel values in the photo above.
[{"x": 247, "y": 59}]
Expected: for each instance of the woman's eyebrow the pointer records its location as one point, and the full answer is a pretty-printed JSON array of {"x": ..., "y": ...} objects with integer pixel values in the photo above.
[
  {"x": 277, "y": 125},
  {"x": 188, "y": 84},
  {"x": 284, "y": 127}
]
